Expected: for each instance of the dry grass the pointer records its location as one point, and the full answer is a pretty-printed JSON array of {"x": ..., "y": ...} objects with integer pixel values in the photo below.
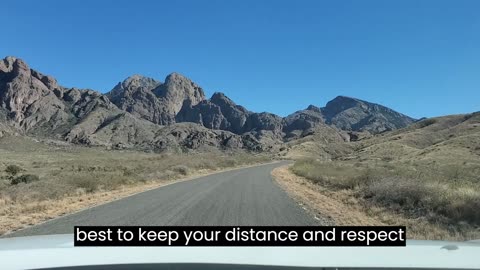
[
  {"x": 448, "y": 195},
  {"x": 345, "y": 208},
  {"x": 326, "y": 203},
  {"x": 16, "y": 216},
  {"x": 428, "y": 172},
  {"x": 71, "y": 177}
]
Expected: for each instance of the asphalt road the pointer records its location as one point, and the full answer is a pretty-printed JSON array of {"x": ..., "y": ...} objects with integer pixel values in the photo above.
[{"x": 245, "y": 196}]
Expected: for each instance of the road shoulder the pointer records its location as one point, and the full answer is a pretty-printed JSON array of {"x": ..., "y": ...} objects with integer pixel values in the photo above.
[
  {"x": 344, "y": 209},
  {"x": 334, "y": 206}
]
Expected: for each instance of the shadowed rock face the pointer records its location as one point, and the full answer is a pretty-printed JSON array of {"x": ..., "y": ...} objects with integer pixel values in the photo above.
[
  {"x": 143, "y": 112},
  {"x": 235, "y": 114},
  {"x": 304, "y": 119},
  {"x": 219, "y": 112}
]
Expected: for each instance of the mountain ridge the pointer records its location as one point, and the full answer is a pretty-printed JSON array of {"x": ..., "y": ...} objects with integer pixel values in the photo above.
[{"x": 136, "y": 109}]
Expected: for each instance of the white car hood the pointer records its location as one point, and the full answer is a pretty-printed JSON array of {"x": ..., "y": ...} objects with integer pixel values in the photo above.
[{"x": 58, "y": 251}]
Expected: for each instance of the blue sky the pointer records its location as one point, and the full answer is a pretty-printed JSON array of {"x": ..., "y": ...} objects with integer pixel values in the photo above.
[{"x": 419, "y": 57}]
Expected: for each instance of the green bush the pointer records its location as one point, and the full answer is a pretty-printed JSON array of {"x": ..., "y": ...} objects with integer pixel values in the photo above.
[{"x": 26, "y": 178}]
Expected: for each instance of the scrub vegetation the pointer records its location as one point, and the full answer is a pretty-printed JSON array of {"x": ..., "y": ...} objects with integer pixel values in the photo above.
[
  {"x": 428, "y": 173},
  {"x": 37, "y": 178}
]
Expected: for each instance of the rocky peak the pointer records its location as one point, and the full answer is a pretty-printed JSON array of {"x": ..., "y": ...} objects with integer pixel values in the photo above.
[
  {"x": 48, "y": 81},
  {"x": 354, "y": 114},
  {"x": 339, "y": 104},
  {"x": 12, "y": 67},
  {"x": 303, "y": 120},
  {"x": 29, "y": 97},
  {"x": 226, "y": 103},
  {"x": 314, "y": 108},
  {"x": 130, "y": 85},
  {"x": 219, "y": 97},
  {"x": 6, "y": 65},
  {"x": 264, "y": 121},
  {"x": 137, "y": 81},
  {"x": 177, "y": 90}
]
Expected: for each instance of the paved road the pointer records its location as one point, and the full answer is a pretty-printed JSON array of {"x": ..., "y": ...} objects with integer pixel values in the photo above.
[{"x": 245, "y": 196}]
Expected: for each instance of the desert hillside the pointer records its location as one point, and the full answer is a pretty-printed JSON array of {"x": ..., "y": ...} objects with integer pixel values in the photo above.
[{"x": 426, "y": 175}]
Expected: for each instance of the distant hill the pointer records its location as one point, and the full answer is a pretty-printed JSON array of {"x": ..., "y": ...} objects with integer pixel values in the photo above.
[
  {"x": 452, "y": 138},
  {"x": 445, "y": 140}
]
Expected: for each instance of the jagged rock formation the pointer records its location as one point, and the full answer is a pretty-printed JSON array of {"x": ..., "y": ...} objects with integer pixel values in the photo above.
[
  {"x": 145, "y": 113},
  {"x": 220, "y": 112},
  {"x": 135, "y": 96},
  {"x": 155, "y": 101},
  {"x": 34, "y": 104}
]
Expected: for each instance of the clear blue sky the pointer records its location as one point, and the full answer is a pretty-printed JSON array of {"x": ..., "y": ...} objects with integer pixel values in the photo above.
[{"x": 421, "y": 58}]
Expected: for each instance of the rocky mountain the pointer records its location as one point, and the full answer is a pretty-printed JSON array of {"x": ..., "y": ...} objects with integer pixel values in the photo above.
[
  {"x": 145, "y": 113},
  {"x": 220, "y": 112},
  {"x": 34, "y": 104},
  {"x": 155, "y": 101},
  {"x": 303, "y": 120},
  {"x": 135, "y": 96},
  {"x": 349, "y": 114},
  {"x": 354, "y": 114}
]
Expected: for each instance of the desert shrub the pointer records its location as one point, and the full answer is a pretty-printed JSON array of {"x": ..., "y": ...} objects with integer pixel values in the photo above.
[
  {"x": 207, "y": 164},
  {"x": 341, "y": 177},
  {"x": 398, "y": 192},
  {"x": 445, "y": 195},
  {"x": 181, "y": 169},
  {"x": 227, "y": 163},
  {"x": 89, "y": 184},
  {"x": 365, "y": 177},
  {"x": 13, "y": 170},
  {"x": 129, "y": 173},
  {"x": 387, "y": 158},
  {"x": 423, "y": 197},
  {"x": 466, "y": 209},
  {"x": 113, "y": 182},
  {"x": 427, "y": 122},
  {"x": 309, "y": 168},
  {"x": 26, "y": 178}
]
